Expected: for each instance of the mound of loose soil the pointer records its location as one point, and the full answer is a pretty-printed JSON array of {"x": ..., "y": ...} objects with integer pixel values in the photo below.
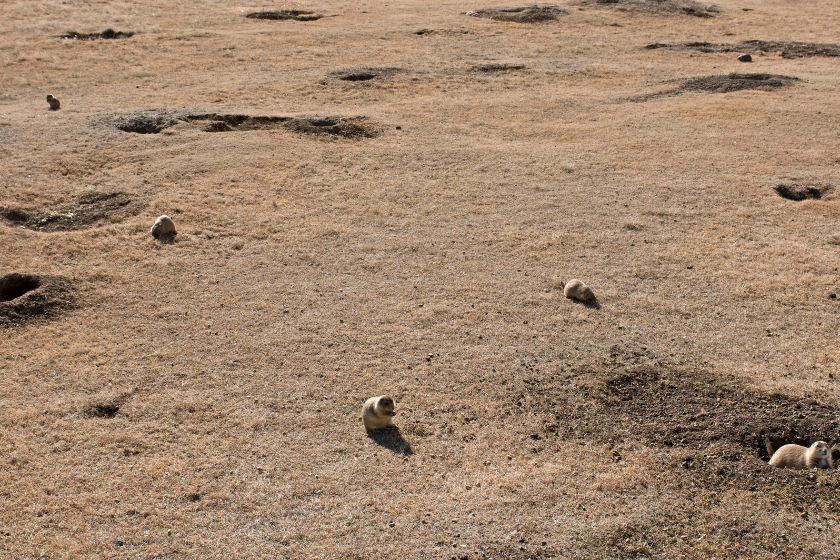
[
  {"x": 228, "y": 123},
  {"x": 785, "y": 49},
  {"x": 23, "y": 296},
  {"x": 297, "y": 15},
  {"x": 107, "y": 34},
  {"x": 799, "y": 192},
  {"x": 146, "y": 122},
  {"x": 347, "y": 128},
  {"x": 90, "y": 210},
  {"x": 736, "y": 82},
  {"x": 663, "y": 7},
  {"x": 527, "y": 14}
]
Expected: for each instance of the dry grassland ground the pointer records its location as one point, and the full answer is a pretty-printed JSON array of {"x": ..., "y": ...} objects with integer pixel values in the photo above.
[{"x": 386, "y": 200}]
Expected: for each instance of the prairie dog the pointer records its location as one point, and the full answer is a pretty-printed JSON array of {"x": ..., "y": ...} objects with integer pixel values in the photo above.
[
  {"x": 163, "y": 226},
  {"x": 575, "y": 289},
  {"x": 378, "y": 413},
  {"x": 792, "y": 456},
  {"x": 55, "y": 104}
]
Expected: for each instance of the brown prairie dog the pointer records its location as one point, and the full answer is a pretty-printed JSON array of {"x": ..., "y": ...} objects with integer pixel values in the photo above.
[
  {"x": 575, "y": 289},
  {"x": 55, "y": 104},
  {"x": 378, "y": 413},
  {"x": 163, "y": 226},
  {"x": 792, "y": 456}
]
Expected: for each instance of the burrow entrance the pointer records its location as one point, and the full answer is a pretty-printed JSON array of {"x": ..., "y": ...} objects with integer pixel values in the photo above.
[
  {"x": 89, "y": 210},
  {"x": 800, "y": 192},
  {"x": 661, "y": 7},
  {"x": 296, "y": 15},
  {"x": 525, "y": 14},
  {"x": 784, "y": 48},
  {"x": 28, "y": 295},
  {"x": 155, "y": 122},
  {"x": 107, "y": 34},
  {"x": 365, "y": 74}
]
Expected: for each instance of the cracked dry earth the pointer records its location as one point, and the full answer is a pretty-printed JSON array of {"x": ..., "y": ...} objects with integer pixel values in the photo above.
[{"x": 399, "y": 196}]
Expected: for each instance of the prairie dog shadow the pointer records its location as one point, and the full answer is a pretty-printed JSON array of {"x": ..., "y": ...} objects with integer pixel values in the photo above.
[
  {"x": 590, "y": 305},
  {"x": 391, "y": 438}
]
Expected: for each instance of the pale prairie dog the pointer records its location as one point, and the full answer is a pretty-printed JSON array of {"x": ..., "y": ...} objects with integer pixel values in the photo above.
[
  {"x": 792, "y": 456},
  {"x": 55, "y": 104},
  {"x": 575, "y": 289},
  {"x": 163, "y": 226},
  {"x": 378, "y": 413}
]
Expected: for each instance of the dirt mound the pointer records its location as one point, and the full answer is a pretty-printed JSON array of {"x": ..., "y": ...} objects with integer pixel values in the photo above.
[
  {"x": 526, "y": 14},
  {"x": 146, "y": 122},
  {"x": 107, "y": 34},
  {"x": 737, "y": 82},
  {"x": 633, "y": 396},
  {"x": 783, "y": 48},
  {"x": 346, "y": 128},
  {"x": 493, "y": 68},
  {"x": 663, "y": 7},
  {"x": 23, "y": 296},
  {"x": 90, "y": 210},
  {"x": 800, "y": 192},
  {"x": 297, "y": 15},
  {"x": 228, "y": 123}
]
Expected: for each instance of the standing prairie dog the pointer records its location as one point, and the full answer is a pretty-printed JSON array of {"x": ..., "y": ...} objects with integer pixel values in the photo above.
[
  {"x": 792, "y": 456},
  {"x": 378, "y": 413},
  {"x": 55, "y": 104},
  {"x": 575, "y": 289},
  {"x": 163, "y": 226}
]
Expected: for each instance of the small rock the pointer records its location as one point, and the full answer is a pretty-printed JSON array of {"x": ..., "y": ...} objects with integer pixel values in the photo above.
[
  {"x": 575, "y": 289},
  {"x": 55, "y": 104},
  {"x": 745, "y": 58},
  {"x": 163, "y": 226}
]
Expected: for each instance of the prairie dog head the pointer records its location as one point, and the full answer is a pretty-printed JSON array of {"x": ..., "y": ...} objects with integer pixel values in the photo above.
[
  {"x": 821, "y": 450},
  {"x": 384, "y": 406}
]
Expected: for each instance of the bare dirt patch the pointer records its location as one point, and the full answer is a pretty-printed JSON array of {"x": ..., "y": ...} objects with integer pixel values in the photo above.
[
  {"x": 154, "y": 123},
  {"x": 494, "y": 68},
  {"x": 89, "y": 210},
  {"x": 23, "y": 296},
  {"x": 737, "y": 82},
  {"x": 784, "y": 48},
  {"x": 661, "y": 7},
  {"x": 525, "y": 14},
  {"x": 107, "y": 34},
  {"x": 296, "y": 15},
  {"x": 800, "y": 192}
]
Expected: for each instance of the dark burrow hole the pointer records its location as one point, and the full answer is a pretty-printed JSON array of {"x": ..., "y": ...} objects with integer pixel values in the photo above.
[
  {"x": 524, "y": 14},
  {"x": 798, "y": 192},
  {"x": 102, "y": 410},
  {"x": 27, "y": 295},
  {"x": 357, "y": 77},
  {"x": 12, "y": 286},
  {"x": 297, "y": 15},
  {"x": 107, "y": 34}
]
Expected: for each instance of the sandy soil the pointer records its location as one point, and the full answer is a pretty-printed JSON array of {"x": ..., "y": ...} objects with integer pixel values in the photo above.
[{"x": 388, "y": 199}]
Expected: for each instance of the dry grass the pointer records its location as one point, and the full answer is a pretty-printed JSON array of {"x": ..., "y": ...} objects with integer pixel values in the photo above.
[{"x": 201, "y": 398}]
